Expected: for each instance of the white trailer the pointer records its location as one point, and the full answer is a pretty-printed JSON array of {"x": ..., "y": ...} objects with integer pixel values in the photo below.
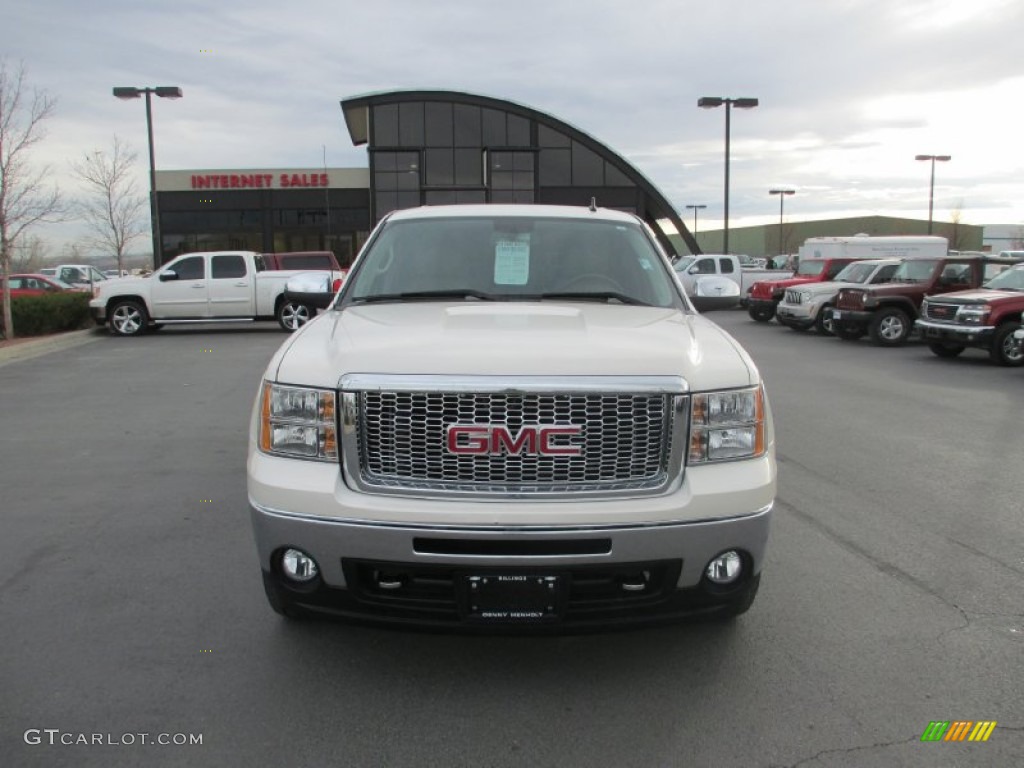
[{"x": 867, "y": 247}]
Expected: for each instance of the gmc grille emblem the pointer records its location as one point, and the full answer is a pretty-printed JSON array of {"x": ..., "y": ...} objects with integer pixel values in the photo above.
[{"x": 496, "y": 439}]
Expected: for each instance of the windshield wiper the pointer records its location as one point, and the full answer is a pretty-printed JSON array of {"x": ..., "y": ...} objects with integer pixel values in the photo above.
[
  {"x": 461, "y": 293},
  {"x": 594, "y": 296}
]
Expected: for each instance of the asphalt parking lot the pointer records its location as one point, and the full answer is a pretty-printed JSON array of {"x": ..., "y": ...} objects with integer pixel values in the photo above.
[{"x": 131, "y": 599}]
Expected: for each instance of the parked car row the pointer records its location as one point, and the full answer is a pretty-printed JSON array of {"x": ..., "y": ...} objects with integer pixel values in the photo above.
[
  {"x": 953, "y": 303},
  {"x": 37, "y": 285}
]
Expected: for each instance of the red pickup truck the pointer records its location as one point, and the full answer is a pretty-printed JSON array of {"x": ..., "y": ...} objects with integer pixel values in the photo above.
[
  {"x": 765, "y": 295},
  {"x": 302, "y": 260},
  {"x": 985, "y": 318},
  {"x": 887, "y": 312}
]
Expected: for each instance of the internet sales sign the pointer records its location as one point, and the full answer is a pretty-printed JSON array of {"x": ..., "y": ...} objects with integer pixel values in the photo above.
[{"x": 259, "y": 180}]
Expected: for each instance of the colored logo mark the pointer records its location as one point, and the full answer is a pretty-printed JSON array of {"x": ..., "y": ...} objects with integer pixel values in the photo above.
[{"x": 958, "y": 730}]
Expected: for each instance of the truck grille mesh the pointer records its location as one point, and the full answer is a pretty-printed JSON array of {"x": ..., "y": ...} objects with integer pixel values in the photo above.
[
  {"x": 941, "y": 312},
  {"x": 625, "y": 441},
  {"x": 793, "y": 297}
]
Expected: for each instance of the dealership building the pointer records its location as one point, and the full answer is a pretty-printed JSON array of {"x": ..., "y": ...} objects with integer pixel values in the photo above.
[{"x": 424, "y": 148}]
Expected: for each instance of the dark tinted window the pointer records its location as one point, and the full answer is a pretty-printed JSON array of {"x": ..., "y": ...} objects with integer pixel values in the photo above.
[
  {"x": 494, "y": 133},
  {"x": 725, "y": 265},
  {"x": 439, "y": 124},
  {"x": 226, "y": 266},
  {"x": 439, "y": 167},
  {"x": 833, "y": 270},
  {"x": 469, "y": 168},
  {"x": 467, "y": 126},
  {"x": 555, "y": 167},
  {"x": 885, "y": 274},
  {"x": 410, "y": 124},
  {"x": 587, "y": 167},
  {"x": 192, "y": 268},
  {"x": 705, "y": 266},
  {"x": 518, "y": 131},
  {"x": 385, "y": 125}
]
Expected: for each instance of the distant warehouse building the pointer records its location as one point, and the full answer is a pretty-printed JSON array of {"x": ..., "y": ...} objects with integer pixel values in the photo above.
[
  {"x": 424, "y": 148},
  {"x": 764, "y": 240}
]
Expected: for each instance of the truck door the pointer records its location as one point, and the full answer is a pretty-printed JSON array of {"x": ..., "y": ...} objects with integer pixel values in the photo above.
[
  {"x": 180, "y": 289},
  {"x": 231, "y": 286}
]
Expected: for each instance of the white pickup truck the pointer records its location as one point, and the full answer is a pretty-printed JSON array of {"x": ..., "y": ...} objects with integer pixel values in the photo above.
[
  {"x": 210, "y": 287},
  {"x": 693, "y": 269},
  {"x": 511, "y": 415}
]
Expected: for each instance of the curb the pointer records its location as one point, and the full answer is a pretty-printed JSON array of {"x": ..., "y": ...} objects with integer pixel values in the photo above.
[{"x": 26, "y": 350}]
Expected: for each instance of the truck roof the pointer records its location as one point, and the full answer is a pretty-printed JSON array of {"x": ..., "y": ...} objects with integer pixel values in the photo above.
[{"x": 491, "y": 210}]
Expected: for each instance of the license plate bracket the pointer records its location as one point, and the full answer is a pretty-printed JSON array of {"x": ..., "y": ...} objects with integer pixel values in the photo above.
[{"x": 513, "y": 598}]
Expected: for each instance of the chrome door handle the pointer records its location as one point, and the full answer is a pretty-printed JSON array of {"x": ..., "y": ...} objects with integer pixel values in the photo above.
[{"x": 241, "y": 285}]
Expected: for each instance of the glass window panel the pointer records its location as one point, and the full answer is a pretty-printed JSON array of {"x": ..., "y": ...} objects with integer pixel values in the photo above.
[
  {"x": 502, "y": 196},
  {"x": 408, "y": 199},
  {"x": 383, "y": 181},
  {"x": 522, "y": 196},
  {"x": 518, "y": 131},
  {"x": 523, "y": 161},
  {"x": 549, "y": 137},
  {"x": 192, "y": 268},
  {"x": 613, "y": 177},
  {"x": 407, "y": 180},
  {"x": 494, "y": 134},
  {"x": 410, "y": 124},
  {"x": 384, "y": 161},
  {"x": 385, "y": 125},
  {"x": 386, "y": 202},
  {"x": 440, "y": 197},
  {"x": 468, "y": 167},
  {"x": 470, "y": 196},
  {"x": 227, "y": 266},
  {"x": 502, "y": 180},
  {"x": 467, "y": 126},
  {"x": 440, "y": 167},
  {"x": 555, "y": 168},
  {"x": 439, "y": 124},
  {"x": 587, "y": 167}
]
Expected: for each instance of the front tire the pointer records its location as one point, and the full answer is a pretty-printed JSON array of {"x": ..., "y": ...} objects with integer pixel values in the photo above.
[
  {"x": 946, "y": 350},
  {"x": 128, "y": 318},
  {"x": 890, "y": 327},
  {"x": 761, "y": 314},
  {"x": 846, "y": 333},
  {"x": 1005, "y": 349},
  {"x": 292, "y": 315},
  {"x": 823, "y": 322}
]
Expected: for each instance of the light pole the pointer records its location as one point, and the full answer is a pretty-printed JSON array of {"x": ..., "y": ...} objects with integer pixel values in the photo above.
[
  {"x": 695, "y": 209},
  {"x": 165, "y": 92},
  {"x": 931, "y": 186},
  {"x": 782, "y": 196},
  {"x": 710, "y": 102}
]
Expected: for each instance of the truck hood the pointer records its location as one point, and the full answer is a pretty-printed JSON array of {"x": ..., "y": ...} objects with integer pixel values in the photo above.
[
  {"x": 508, "y": 339},
  {"x": 980, "y": 296}
]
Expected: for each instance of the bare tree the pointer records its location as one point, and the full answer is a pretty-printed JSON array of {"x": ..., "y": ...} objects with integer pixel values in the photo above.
[
  {"x": 956, "y": 234},
  {"x": 24, "y": 200},
  {"x": 113, "y": 206},
  {"x": 29, "y": 254},
  {"x": 1017, "y": 243}
]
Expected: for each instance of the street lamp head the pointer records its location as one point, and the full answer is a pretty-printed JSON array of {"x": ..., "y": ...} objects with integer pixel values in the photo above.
[
  {"x": 745, "y": 103},
  {"x": 710, "y": 102},
  {"x": 127, "y": 93},
  {"x": 701, "y": 207},
  {"x": 781, "y": 191},
  {"x": 940, "y": 158},
  {"x": 168, "y": 91}
]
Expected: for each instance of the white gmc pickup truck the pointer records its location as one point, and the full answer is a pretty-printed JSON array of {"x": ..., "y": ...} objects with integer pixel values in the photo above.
[
  {"x": 511, "y": 416},
  {"x": 209, "y": 287}
]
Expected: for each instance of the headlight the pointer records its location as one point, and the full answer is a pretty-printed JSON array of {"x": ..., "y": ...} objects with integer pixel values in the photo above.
[
  {"x": 972, "y": 315},
  {"x": 298, "y": 422},
  {"x": 726, "y": 425},
  {"x": 805, "y": 296}
]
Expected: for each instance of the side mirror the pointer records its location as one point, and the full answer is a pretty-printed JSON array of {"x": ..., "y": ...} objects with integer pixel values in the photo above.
[
  {"x": 693, "y": 270},
  {"x": 168, "y": 274}
]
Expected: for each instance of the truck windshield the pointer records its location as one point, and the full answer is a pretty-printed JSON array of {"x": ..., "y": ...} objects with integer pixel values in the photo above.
[
  {"x": 512, "y": 258},
  {"x": 1007, "y": 280},
  {"x": 683, "y": 263},
  {"x": 857, "y": 272},
  {"x": 914, "y": 271},
  {"x": 811, "y": 268}
]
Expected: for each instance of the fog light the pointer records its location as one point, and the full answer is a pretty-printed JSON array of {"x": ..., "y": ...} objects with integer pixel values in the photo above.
[
  {"x": 725, "y": 568},
  {"x": 298, "y": 566}
]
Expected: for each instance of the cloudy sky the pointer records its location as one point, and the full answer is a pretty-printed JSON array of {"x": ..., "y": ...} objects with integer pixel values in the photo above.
[{"x": 850, "y": 90}]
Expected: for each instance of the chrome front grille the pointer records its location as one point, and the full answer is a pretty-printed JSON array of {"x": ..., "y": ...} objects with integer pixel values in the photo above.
[
  {"x": 398, "y": 440},
  {"x": 793, "y": 297},
  {"x": 944, "y": 313}
]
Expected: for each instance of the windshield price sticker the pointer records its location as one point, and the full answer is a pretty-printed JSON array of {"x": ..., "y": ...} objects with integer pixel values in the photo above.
[{"x": 511, "y": 262}]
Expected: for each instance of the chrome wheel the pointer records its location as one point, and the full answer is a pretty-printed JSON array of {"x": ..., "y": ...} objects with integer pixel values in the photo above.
[
  {"x": 293, "y": 316},
  {"x": 127, "y": 319}
]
